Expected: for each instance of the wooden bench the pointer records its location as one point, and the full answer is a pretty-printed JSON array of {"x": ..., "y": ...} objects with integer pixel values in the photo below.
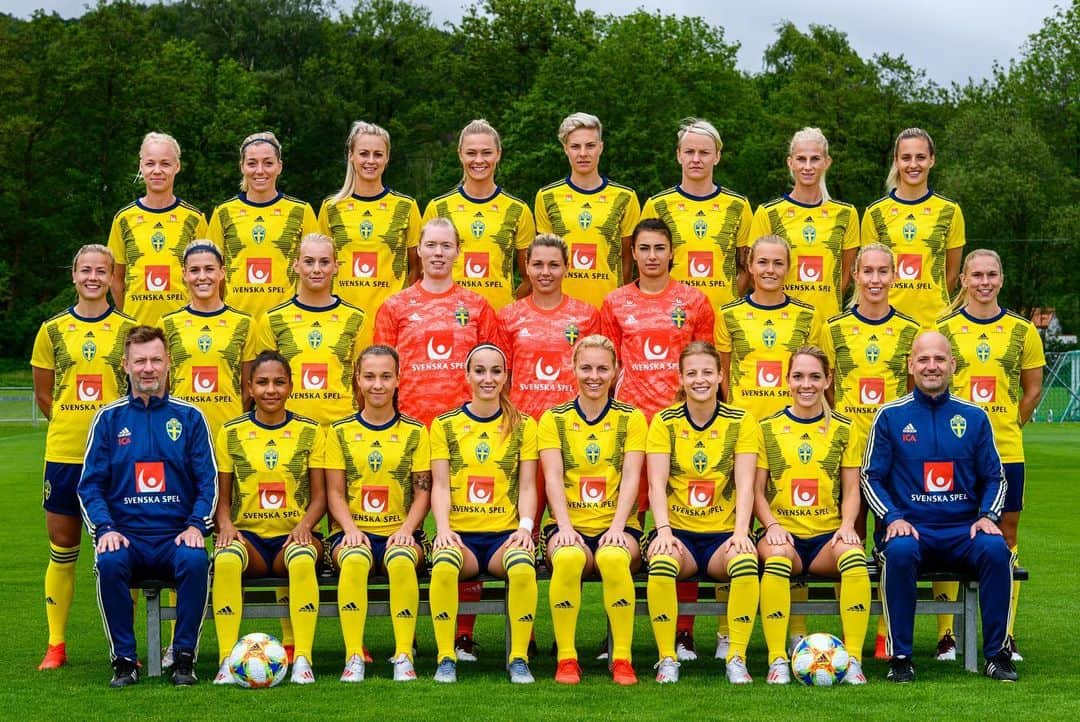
[{"x": 260, "y": 602}]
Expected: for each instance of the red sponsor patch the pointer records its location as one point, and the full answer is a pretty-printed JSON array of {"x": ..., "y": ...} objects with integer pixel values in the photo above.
[
  {"x": 204, "y": 379},
  {"x": 313, "y": 377},
  {"x": 365, "y": 264},
  {"x": 375, "y": 499},
  {"x": 804, "y": 492},
  {"x": 481, "y": 489},
  {"x": 983, "y": 389},
  {"x": 700, "y": 263},
  {"x": 259, "y": 271},
  {"x": 476, "y": 265},
  {"x": 938, "y": 476},
  {"x": 909, "y": 266},
  {"x": 149, "y": 477},
  {"x": 811, "y": 269},
  {"x": 583, "y": 256},
  {"x": 88, "y": 387},
  {"x": 593, "y": 489},
  {"x": 156, "y": 278},
  {"x": 700, "y": 493},
  {"x": 769, "y": 374},
  {"x": 871, "y": 391},
  {"x": 272, "y": 495}
]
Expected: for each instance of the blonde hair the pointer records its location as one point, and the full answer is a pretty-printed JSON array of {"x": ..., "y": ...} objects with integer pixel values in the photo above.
[
  {"x": 156, "y": 137},
  {"x": 811, "y": 135},
  {"x": 263, "y": 137},
  {"x": 863, "y": 250},
  {"x": 358, "y": 129},
  {"x": 815, "y": 352},
  {"x": 479, "y": 126},
  {"x": 317, "y": 238},
  {"x": 961, "y": 298},
  {"x": 93, "y": 248},
  {"x": 774, "y": 240},
  {"x": 576, "y": 121},
  {"x": 511, "y": 417},
  {"x": 549, "y": 240},
  {"x": 893, "y": 179},
  {"x": 697, "y": 348},
  {"x": 595, "y": 340},
  {"x": 441, "y": 222},
  {"x": 698, "y": 126}
]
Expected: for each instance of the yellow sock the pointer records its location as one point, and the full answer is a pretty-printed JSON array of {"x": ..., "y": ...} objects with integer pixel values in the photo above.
[
  {"x": 797, "y": 626},
  {"x": 619, "y": 598},
  {"x": 776, "y": 605},
  {"x": 400, "y": 563},
  {"x": 854, "y": 600},
  {"x": 945, "y": 592},
  {"x": 722, "y": 591},
  {"x": 564, "y": 597},
  {"x": 355, "y": 564},
  {"x": 443, "y": 596},
  {"x": 1014, "y": 599},
  {"x": 520, "y": 566},
  {"x": 287, "y": 637},
  {"x": 663, "y": 602},
  {"x": 303, "y": 596},
  {"x": 742, "y": 602},
  {"x": 228, "y": 598},
  {"x": 59, "y": 589}
]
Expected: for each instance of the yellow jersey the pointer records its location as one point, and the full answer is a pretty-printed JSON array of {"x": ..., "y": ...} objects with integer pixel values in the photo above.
[
  {"x": 484, "y": 467},
  {"x": 86, "y": 357},
  {"x": 149, "y": 243},
  {"x": 207, "y": 352},
  {"x": 818, "y": 235},
  {"x": 372, "y": 236},
  {"x": 761, "y": 340},
  {"x": 322, "y": 346},
  {"x": 492, "y": 231},
  {"x": 990, "y": 355},
  {"x": 803, "y": 458},
  {"x": 260, "y": 242},
  {"x": 919, "y": 233},
  {"x": 701, "y": 484},
  {"x": 378, "y": 462},
  {"x": 592, "y": 458},
  {"x": 869, "y": 364},
  {"x": 706, "y": 232},
  {"x": 593, "y": 224}
]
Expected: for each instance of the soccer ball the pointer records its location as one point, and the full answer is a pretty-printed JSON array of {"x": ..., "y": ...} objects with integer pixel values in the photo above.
[
  {"x": 258, "y": 660},
  {"x": 820, "y": 660}
]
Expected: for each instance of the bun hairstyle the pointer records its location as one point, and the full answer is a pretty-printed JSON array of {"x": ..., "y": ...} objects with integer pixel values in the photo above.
[{"x": 264, "y": 137}]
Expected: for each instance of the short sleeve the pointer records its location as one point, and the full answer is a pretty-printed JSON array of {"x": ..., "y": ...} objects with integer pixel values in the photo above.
[
  {"x": 722, "y": 333},
  {"x": 637, "y": 432},
  {"x": 116, "y": 242},
  {"x": 317, "y": 455},
  {"x": 957, "y": 234},
  {"x": 851, "y": 233},
  {"x": 658, "y": 440},
  {"x": 1031, "y": 357},
  {"x": 439, "y": 448},
  {"x": 333, "y": 458},
  {"x": 421, "y": 458},
  {"x": 43, "y": 355},
  {"x": 528, "y": 440},
  {"x": 547, "y": 434},
  {"x": 743, "y": 236},
  {"x": 221, "y": 451},
  {"x": 759, "y": 226},
  {"x": 630, "y": 217},
  {"x": 750, "y": 439},
  {"x": 412, "y": 231},
  {"x": 852, "y": 456},
  {"x": 543, "y": 223},
  {"x": 526, "y": 229}
]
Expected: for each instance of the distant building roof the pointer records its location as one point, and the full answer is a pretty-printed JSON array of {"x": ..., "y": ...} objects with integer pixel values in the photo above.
[{"x": 1042, "y": 317}]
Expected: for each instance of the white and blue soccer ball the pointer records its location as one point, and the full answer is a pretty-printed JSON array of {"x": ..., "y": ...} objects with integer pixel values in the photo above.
[
  {"x": 258, "y": 660},
  {"x": 820, "y": 660}
]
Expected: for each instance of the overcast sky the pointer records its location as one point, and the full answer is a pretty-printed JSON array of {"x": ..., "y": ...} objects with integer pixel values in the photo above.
[{"x": 952, "y": 40}]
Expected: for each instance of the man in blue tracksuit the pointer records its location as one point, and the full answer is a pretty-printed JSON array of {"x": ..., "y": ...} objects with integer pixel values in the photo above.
[
  {"x": 933, "y": 478},
  {"x": 148, "y": 492}
]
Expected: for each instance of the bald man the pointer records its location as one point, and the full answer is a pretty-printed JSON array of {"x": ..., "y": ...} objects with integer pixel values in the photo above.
[{"x": 933, "y": 479}]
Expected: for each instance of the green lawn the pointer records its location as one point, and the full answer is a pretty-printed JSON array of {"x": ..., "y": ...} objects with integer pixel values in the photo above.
[{"x": 1049, "y": 683}]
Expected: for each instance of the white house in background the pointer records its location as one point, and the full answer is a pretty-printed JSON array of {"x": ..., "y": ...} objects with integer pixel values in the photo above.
[{"x": 1049, "y": 325}]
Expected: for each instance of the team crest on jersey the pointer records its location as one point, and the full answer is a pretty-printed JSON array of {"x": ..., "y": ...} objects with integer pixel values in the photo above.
[
  {"x": 157, "y": 240},
  {"x": 909, "y": 229},
  {"x": 571, "y": 333},
  {"x": 375, "y": 460},
  {"x": 174, "y": 428},
  {"x": 873, "y": 351},
  {"x": 483, "y": 451},
  {"x": 958, "y": 425},
  {"x": 270, "y": 455},
  {"x": 258, "y": 232},
  {"x": 89, "y": 349},
  {"x": 592, "y": 452},
  {"x": 809, "y": 233},
  {"x": 768, "y": 335},
  {"x": 678, "y": 316},
  {"x": 477, "y": 227},
  {"x": 204, "y": 342},
  {"x": 700, "y": 460},
  {"x": 366, "y": 229},
  {"x": 982, "y": 350},
  {"x": 701, "y": 226},
  {"x": 805, "y": 451},
  {"x": 461, "y": 315},
  {"x": 315, "y": 338},
  {"x": 584, "y": 218}
]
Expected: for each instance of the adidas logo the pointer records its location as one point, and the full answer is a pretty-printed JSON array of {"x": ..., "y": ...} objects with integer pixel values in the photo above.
[
  {"x": 619, "y": 604},
  {"x": 350, "y": 607},
  {"x": 442, "y": 617},
  {"x": 124, "y": 433},
  {"x": 662, "y": 618},
  {"x": 776, "y": 615},
  {"x": 941, "y": 598},
  {"x": 909, "y": 429},
  {"x": 50, "y": 600},
  {"x": 526, "y": 618},
  {"x": 743, "y": 619},
  {"x": 415, "y": 317},
  {"x": 857, "y": 608},
  {"x": 225, "y": 611},
  {"x": 564, "y": 604},
  {"x": 404, "y": 614},
  {"x": 308, "y": 608}
]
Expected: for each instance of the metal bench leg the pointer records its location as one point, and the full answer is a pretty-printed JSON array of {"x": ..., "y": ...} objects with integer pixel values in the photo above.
[
  {"x": 153, "y": 632},
  {"x": 971, "y": 633}
]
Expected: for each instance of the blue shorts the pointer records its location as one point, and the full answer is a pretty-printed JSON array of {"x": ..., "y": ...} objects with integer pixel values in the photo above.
[
  {"x": 267, "y": 547},
  {"x": 60, "y": 488},
  {"x": 484, "y": 544},
  {"x": 808, "y": 548},
  {"x": 702, "y": 546},
  {"x": 592, "y": 541},
  {"x": 378, "y": 546},
  {"x": 1014, "y": 495}
]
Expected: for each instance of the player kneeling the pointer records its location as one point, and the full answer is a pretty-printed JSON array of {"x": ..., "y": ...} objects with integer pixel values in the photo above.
[
  {"x": 701, "y": 455},
  {"x": 591, "y": 450},
  {"x": 807, "y": 498},
  {"x": 271, "y": 495},
  {"x": 378, "y": 483}
]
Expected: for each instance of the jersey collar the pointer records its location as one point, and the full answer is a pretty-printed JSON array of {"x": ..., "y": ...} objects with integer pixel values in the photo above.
[
  {"x": 917, "y": 201},
  {"x": 480, "y": 419},
  {"x": 375, "y": 197},
  {"x": 597, "y": 189},
  {"x": 598, "y": 419},
  {"x": 800, "y": 420},
  {"x": 928, "y": 400},
  {"x": 864, "y": 319},
  {"x": 480, "y": 201},
  {"x": 206, "y": 314},
  {"x": 298, "y": 304},
  {"x": 690, "y": 419},
  {"x": 242, "y": 195},
  {"x": 992, "y": 319},
  {"x": 95, "y": 319},
  {"x": 763, "y": 307},
  {"x": 166, "y": 209},
  {"x": 787, "y": 197},
  {"x": 691, "y": 196},
  {"x": 270, "y": 427},
  {"x": 377, "y": 427}
]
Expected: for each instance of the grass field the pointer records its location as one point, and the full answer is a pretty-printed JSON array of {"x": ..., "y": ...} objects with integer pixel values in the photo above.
[{"x": 1049, "y": 686}]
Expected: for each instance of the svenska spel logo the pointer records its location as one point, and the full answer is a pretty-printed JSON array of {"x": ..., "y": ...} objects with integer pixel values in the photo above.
[
  {"x": 204, "y": 379},
  {"x": 259, "y": 271},
  {"x": 700, "y": 264},
  {"x": 88, "y": 387},
  {"x": 871, "y": 390},
  {"x": 313, "y": 376},
  {"x": 804, "y": 492},
  {"x": 584, "y": 256},
  {"x": 769, "y": 374},
  {"x": 375, "y": 499},
  {"x": 481, "y": 489},
  {"x": 811, "y": 269},
  {"x": 272, "y": 495},
  {"x": 440, "y": 344},
  {"x": 938, "y": 476},
  {"x": 476, "y": 265},
  {"x": 593, "y": 489},
  {"x": 156, "y": 278},
  {"x": 700, "y": 493},
  {"x": 654, "y": 351},
  {"x": 365, "y": 264},
  {"x": 149, "y": 477},
  {"x": 909, "y": 266},
  {"x": 983, "y": 389},
  {"x": 545, "y": 370}
]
